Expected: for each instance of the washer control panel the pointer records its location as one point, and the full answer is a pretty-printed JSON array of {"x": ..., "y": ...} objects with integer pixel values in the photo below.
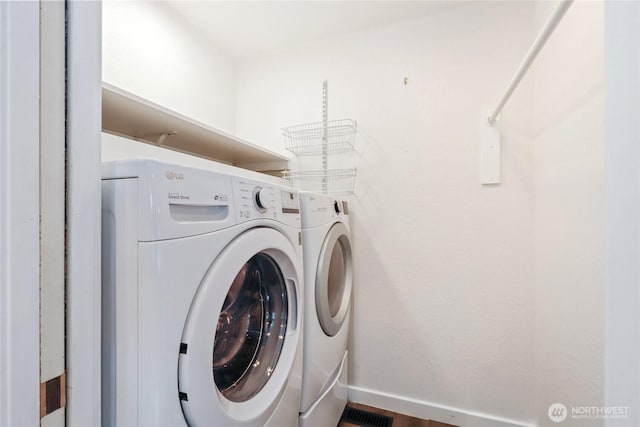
[
  {"x": 290, "y": 202},
  {"x": 263, "y": 200}
]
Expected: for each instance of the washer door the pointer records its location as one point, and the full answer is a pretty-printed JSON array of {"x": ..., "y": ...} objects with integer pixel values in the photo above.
[
  {"x": 334, "y": 279},
  {"x": 241, "y": 335}
]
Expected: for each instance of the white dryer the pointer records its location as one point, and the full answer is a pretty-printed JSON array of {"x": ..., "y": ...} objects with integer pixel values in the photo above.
[
  {"x": 202, "y": 298},
  {"x": 328, "y": 268}
]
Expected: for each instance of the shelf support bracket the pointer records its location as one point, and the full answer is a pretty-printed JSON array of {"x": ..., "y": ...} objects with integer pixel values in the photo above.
[{"x": 160, "y": 137}]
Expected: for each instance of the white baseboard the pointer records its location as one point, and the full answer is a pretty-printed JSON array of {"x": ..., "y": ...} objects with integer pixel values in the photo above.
[{"x": 429, "y": 410}]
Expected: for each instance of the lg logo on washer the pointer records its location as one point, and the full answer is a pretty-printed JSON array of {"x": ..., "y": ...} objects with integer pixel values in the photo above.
[{"x": 174, "y": 175}]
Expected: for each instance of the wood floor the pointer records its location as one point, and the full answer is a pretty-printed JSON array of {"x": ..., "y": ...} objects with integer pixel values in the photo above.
[{"x": 399, "y": 420}]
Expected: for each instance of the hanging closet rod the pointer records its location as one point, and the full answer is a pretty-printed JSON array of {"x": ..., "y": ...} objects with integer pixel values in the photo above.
[{"x": 542, "y": 38}]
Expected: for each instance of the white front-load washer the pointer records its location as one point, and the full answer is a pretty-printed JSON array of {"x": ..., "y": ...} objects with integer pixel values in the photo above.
[
  {"x": 202, "y": 298},
  {"x": 328, "y": 267}
]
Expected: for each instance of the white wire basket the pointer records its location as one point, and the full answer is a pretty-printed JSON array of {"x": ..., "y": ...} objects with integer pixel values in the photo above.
[
  {"x": 307, "y": 139},
  {"x": 336, "y": 181}
]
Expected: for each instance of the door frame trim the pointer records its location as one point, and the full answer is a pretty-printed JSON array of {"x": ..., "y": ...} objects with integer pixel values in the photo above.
[{"x": 84, "y": 126}]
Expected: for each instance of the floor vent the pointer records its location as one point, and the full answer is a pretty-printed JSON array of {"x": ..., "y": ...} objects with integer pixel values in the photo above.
[{"x": 365, "y": 418}]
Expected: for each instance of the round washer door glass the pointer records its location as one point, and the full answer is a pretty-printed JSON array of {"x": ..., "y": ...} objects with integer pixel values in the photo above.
[
  {"x": 334, "y": 279},
  {"x": 242, "y": 334},
  {"x": 250, "y": 330}
]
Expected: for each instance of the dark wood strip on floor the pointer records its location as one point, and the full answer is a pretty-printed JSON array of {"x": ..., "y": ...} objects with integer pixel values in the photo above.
[{"x": 399, "y": 420}]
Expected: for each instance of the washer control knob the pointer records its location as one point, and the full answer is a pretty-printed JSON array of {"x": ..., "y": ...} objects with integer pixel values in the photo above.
[{"x": 260, "y": 199}]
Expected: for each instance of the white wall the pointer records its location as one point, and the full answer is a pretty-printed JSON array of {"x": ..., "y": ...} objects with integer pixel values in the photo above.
[
  {"x": 622, "y": 381},
  {"x": 150, "y": 51},
  {"x": 444, "y": 289},
  {"x": 570, "y": 212}
]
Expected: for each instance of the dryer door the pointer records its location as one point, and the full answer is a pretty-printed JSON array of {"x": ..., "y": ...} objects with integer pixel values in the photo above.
[
  {"x": 241, "y": 335},
  {"x": 334, "y": 279}
]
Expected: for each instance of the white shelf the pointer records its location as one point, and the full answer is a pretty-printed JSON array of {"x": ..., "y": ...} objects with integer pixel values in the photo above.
[{"x": 124, "y": 113}]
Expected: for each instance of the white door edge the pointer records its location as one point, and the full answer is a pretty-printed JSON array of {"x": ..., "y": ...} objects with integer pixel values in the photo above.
[
  {"x": 19, "y": 213},
  {"x": 84, "y": 122}
]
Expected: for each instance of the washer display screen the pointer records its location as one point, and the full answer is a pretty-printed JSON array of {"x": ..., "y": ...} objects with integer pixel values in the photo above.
[{"x": 251, "y": 329}]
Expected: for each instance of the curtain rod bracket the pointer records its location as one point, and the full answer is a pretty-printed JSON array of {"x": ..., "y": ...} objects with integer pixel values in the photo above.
[{"x": 490, "y": 163}]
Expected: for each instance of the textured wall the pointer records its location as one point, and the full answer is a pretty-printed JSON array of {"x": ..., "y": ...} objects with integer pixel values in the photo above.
[{"x": 569, "y": 116}]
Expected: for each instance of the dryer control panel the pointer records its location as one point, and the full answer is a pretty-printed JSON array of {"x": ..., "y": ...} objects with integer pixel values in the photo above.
[
  {"x": 321, "y": 209},
  {"x": 263, "y": 200}
]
